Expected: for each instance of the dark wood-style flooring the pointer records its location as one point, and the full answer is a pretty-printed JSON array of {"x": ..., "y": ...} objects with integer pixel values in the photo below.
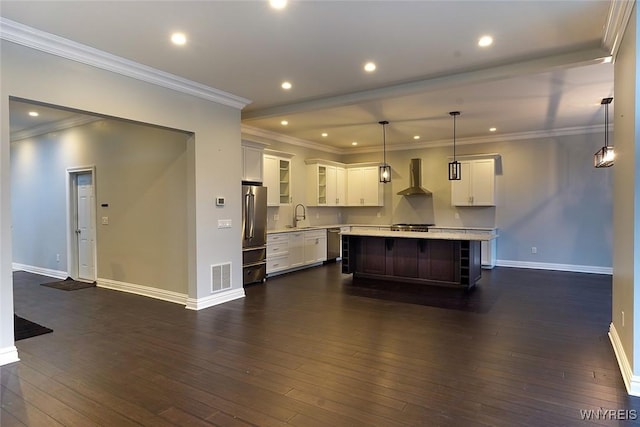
[{"x": 312, "y": 348}]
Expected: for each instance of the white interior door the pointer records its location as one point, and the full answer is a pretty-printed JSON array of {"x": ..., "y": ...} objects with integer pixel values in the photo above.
[{"x": 85, "y": 232}]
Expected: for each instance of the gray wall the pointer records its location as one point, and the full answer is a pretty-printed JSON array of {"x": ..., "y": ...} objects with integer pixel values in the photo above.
[{"x": 141, "y": 172}]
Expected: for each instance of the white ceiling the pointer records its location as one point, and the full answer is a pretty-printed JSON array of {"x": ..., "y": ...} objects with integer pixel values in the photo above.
[{"x": 543, "y": 73}]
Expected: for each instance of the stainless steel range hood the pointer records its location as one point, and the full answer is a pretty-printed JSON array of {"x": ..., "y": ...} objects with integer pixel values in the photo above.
[{"x": 415, "y": 173}]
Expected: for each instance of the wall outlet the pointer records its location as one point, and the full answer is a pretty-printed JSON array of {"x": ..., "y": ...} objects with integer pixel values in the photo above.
[
  {"x": 456, "y": 215},
  {"x": 276, "y": 217},
  {"x": 378, "y": 215},
  {"x": 57, "y": 257},
  {"x": 534, "y": 250},
  {"x": 105, "y": 220},
  {"x": 317, "y": 216}
]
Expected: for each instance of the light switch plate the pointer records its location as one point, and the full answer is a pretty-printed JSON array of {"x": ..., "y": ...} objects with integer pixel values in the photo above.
[
  {"x": 105, "y": 220},
  {"x": 224, "y": 223}
]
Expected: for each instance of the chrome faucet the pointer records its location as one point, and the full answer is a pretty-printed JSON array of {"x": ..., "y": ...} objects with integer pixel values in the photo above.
[{"x": 297, "y": 217}]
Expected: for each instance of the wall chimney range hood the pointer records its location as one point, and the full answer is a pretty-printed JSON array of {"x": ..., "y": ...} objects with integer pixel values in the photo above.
[{"x": 415, "y": 173}]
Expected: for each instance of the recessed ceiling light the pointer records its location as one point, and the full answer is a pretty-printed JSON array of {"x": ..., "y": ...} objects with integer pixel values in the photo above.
[
  {"x": 286, "y": 85},
  {"x": 324, "y": 134},
  {"x": 416, "y": 137},
  {"x": 492, "y": 129},
  {"x": 179, "y": 39},
  {"x": 284, "y": 123},
  {"x": 34, "y": 113},
  {"x": 354, "y": 143},
  {"x": 369, "y": 67},
  {"x": 485, "y": 41},
  {"x": 278, "y": 4}
]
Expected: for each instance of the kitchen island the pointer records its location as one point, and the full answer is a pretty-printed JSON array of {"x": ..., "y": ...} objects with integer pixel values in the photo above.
[{"x": 432, "y": 258}]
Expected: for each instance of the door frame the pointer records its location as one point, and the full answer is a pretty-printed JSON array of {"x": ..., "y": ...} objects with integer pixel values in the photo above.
[{"x": 72, "y": 209}]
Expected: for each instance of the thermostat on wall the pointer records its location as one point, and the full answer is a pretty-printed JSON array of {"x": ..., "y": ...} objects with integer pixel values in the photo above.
[{"x": 219, "y": 201}]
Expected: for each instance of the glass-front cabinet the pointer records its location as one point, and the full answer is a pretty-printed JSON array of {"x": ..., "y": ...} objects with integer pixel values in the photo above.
[
  {"x": 277, "y": 178},
  {"x": 326, "y": 183}
]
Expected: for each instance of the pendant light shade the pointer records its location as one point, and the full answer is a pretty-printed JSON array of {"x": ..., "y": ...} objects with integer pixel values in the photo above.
[
  {"x": 605, "y": 156},
  {"x": 454, "y": 166},
  {"x": 384, "y": 170}
]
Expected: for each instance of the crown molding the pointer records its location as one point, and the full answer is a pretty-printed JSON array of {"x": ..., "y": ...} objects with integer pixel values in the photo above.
[
  {"x": 510, "y": 137},
  {"x": 264, "y": 135},
  {"x": 255, "y": 134},
  {"x": 52, "y": 127},
  {"x": 49, "y": 43},
  {"x": 617, "y": 21}
]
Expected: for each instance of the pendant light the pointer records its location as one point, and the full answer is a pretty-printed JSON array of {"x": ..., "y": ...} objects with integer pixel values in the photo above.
[
  {"x": 454, "y": 167},
  {"x": 604, "y": 157},
  {"x": 384, "y": 169}
]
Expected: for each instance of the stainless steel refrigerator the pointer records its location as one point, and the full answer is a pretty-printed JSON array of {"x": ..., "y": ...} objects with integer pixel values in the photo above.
[{"x": 254, "y": 233}]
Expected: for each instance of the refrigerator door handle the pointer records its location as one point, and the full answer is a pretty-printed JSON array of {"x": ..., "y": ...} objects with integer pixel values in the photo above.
[
  {"x": 252, "y": 212},
  {"x": 247, "y": 218}
]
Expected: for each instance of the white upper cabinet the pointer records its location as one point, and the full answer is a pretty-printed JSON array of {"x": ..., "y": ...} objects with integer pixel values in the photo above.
[
  {"x": 252, "y": 163},
  {"x": 326, "y": 184},
  {"x": 363, "y": 186},
  {"x": 277, "y": 179},
  {"x": 477, "y": 186}
]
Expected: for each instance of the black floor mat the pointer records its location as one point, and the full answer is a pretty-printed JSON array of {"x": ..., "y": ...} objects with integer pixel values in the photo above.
[
  {"x": 23, "y": 328},
  {"x": 69, "y": 284}
]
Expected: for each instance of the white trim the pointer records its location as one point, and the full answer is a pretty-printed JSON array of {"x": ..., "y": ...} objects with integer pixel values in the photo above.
[
  {"x": 146, "y": 291},
  {"x": 249, "y": 133},
  {"x": 552, "y": 266},
  {"x": 617, "y": 21},
  {"x": 58, "y": 274},
  {"x": 50, "y": 43},
  {"x": 631, "y": 382},
  {"x": 8, "y": 355},
  {"x": 266, "y": 136},
  {"x": 217, "y": 298},
  {"x": 43, "y": 129}
]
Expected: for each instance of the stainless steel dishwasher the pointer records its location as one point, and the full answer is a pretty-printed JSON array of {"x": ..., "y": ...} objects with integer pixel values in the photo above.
[{"x": 333, "y": 243}]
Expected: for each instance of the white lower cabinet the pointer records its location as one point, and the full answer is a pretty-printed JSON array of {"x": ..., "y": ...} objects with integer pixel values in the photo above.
[
  {"x": 315, "y": 246},
  {"x": 277, "y": 252},
  {"x": 295, "y": 249}
]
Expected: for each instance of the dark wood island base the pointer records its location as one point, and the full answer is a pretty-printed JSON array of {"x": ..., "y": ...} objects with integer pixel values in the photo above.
[{"x": 441, "y": 262}]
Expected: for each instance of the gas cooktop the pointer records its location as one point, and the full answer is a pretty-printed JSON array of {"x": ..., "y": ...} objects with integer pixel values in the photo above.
[{"x": 411, "y": 227}]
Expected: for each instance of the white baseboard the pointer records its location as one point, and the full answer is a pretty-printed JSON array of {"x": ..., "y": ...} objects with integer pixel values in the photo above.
[
  {"x": 8, "y": 355},
  {"x": 631, "y": 382},
  {"x": 558, "y": 267},
  {"x": 146, "y": 291},
  {"x": 215, "y": 299},
  {"x": 40, "y": 270}
]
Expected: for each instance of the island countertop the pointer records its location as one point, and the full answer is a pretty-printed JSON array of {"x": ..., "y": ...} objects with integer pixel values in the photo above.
[{"x": 421, "y": 235}]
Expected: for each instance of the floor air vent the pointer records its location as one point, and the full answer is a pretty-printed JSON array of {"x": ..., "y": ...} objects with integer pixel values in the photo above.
[{"x": 220, "y": 277}]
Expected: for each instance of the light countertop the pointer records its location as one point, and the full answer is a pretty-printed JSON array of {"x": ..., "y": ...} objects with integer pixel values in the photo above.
[{"x": 421, "y": 235}]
